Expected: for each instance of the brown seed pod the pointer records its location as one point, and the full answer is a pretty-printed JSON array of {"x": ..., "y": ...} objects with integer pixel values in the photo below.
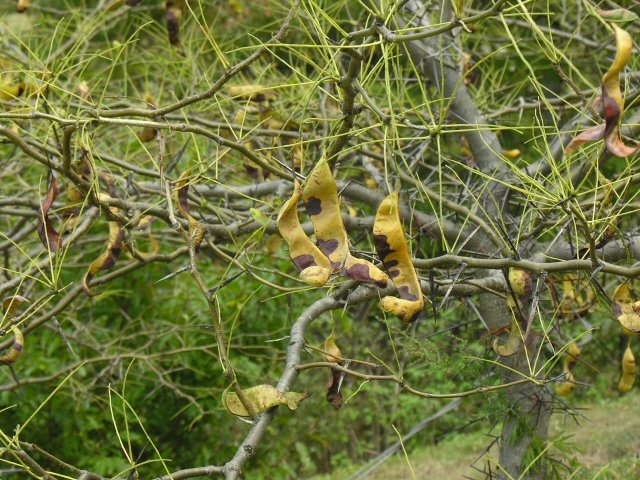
[
  {"x": 196, "y": 232},
  {"x": 612, "y": 104},
  {"x": 107, "y": 259},
  {"x": 392, "y": 249},
  {"x": 48, "y": 235}
]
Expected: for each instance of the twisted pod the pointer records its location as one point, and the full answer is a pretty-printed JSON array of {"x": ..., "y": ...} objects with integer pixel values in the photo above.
[
  {"x": 389, "y": 240},
  {"x": 570, "y": 358},
  {"x": 321, "y": 201},
  {"x": 313, "y": 265}
]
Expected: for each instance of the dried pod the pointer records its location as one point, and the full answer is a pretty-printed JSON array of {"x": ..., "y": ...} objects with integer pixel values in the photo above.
[
  {"x": 313, "y": 265},
  {"x": 521, "y": 284},
  {"x": 173, "y": 15},
  {"x": 514, "y": 341},
  {"x": 570, "y": 358},
  {"x": 333, "y": 354},
  {"x": 628, "y": 371},
  {"x": 626, "y": 310},
  {"x": 15, "y": 349},
  {"x": 196, "y": 232},
  {"x": 392, "y": 249},
  {"x": 48, "y": 235},
  {"x": 22, "y": 6},
  {"x": 261, "y": 398},
  {"x": 321, "y": 201},
  {"x": 108, "y": 258},
  {"x": 612, "y": 104}
]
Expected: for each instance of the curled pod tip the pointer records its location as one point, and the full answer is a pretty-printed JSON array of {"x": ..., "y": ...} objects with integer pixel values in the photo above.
[
  {"x": 107, "y": 259},
  {"x": 313, "y": 265},
  {"x": 15, "y": 349},
  {"x": 513, "y": 344}
]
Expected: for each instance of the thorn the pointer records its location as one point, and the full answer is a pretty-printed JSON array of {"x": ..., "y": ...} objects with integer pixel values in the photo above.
[
  {"x": 63, "y": 336},
  {"x": 186, "y": 268}
]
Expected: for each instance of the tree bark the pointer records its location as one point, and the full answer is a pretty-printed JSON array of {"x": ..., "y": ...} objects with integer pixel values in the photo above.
[{"x": 525, "y": 424}]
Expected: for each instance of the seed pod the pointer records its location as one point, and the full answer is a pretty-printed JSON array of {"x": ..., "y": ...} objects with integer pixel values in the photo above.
[
  {"x": 626, "y": 310},
  {"x": 392, "y": 249},
  {"x": 313, "y": 265},
  {"x": 22, "y": 6},
  {"x": 107, "y": 259},
  {"x": 49, "y": 237},
  {"x": 173, "y": 16},
  {"x": 612, "y": 103},
  {"x": 9, "y": 306},
  {"x": 571, "y": 357},
  {"x": 333, "y": 354},
  {"x": 521, "y": 284},
  {"x": 321, "y": 201},
  {"x": 513, "y": 343},
  {"x": 15, "y": 349},
  {"x": 261, "y": 398},
  {"x": 628, "y": 371},
  {"x": 196, "y": 232}
]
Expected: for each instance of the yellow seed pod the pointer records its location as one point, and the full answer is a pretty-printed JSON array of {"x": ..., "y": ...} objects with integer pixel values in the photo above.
[
  {"x": 626, "y": 310},
  {"x": 16, "y": 348},
  {"x": 313, "y": 265},
  {"x": 511, "y": 154},
  {"x": 521, "y": 284},
  {"x": 392, "y": 249},
  {"x": 332, "y": 352},
  {"x": 611, "y": 79},
  {"x": 571, "y": 357},
  {"x": 513, "y": 343},
  {"x": 321, "y": 201},
  {"x": 107, "y": 259},
  {"x": 628, "y": 371}
]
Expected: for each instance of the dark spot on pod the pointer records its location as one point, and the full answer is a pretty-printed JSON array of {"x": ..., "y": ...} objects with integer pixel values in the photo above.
[
  {"x": 610, "y": 108},
  {"x": 393, "y": 273},
  {"x": 313, "y": 206},
  {"x": 328, "y": 246},
  {"x": 303, "y": 261},
  {"x": 382, "y": 246},
  {"x": 390, "y": 264},
  {"x": 17, "y": 346},
  {"x": 404, "y": 293},
  {"x": 361, "y": 272},
  {"x": 617, "y": 310}
]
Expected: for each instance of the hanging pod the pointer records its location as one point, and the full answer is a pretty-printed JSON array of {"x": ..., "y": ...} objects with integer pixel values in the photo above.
[
  {"x": 628, "y": 370},
  {"x": 514, "y": 341},
  {"x": 612, "y": 104},
  {"x": 9, "y": 306},
  {"x": 626, "y": 310},
  {"x": 392, "y": 249},
  {"x": 313, "y": 265},
  {"x": 320, "y": 196},
  {"x": 570, "y": 358}
]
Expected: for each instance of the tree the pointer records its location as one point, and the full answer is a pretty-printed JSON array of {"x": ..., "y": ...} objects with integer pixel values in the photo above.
[{"x": 182, "y": 148}]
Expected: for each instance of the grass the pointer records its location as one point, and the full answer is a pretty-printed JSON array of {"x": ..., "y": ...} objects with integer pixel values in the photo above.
[{"x": 603, "y": 439}]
